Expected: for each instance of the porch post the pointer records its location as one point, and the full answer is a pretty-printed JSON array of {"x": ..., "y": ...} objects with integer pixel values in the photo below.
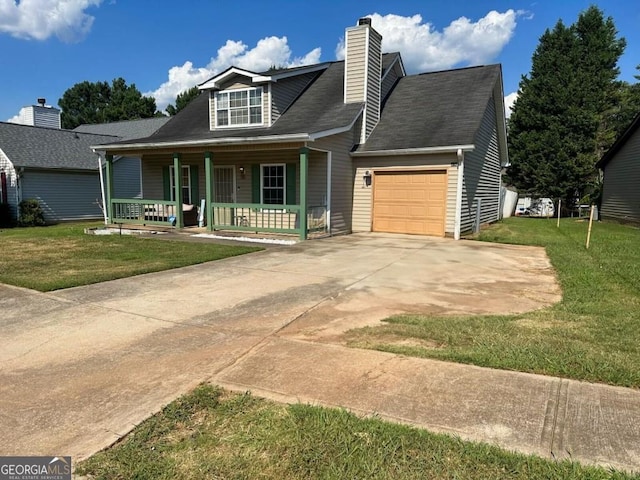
[
  {"x": 304, "y": 161},
  {"x": 108, "y": 173},
  {"x": 208, "y": 171},
  {"x": 177, "y": 184}
]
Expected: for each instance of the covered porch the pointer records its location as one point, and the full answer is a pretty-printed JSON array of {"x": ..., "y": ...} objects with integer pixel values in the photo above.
[{"x": 256, "y": 188}]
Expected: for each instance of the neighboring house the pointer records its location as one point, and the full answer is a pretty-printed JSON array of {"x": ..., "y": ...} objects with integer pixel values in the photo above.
[
  {"x": 349, "y": 146},
  {"x": 56, "y": 167},
  {"x": 621, "y": 167},
  {"x": 127, "y": 177}
]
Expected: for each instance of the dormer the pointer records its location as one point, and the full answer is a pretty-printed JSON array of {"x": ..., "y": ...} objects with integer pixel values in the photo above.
[{"x": 244, "y": 99}]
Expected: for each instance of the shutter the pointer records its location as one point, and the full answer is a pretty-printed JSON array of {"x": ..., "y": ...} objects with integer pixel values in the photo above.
[
  {"x": 291, "y": 183},
  {"x": 195, "y": 187},
  {"x": 255, "y": 183},
  {"x": 166, "y": 183}
]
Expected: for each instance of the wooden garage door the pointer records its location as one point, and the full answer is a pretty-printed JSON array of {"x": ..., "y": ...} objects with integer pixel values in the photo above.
[{"x": 410, "y": 202}]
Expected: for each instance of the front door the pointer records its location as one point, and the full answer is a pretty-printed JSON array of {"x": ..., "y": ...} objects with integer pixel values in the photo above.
[{"x": 224, "y": 191}]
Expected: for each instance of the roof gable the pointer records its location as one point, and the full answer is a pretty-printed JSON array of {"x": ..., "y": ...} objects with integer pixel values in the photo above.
[
  {"x": 619, "y": 143},
  {"x": 39, "y": 147},
  {"x": 223, "y": 78}
]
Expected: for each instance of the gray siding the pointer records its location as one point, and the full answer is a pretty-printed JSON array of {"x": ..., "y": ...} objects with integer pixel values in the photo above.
[
  {"x": 64, "y": 195},
  {"x": 341, "y": 180},
  {"x": 12, "y": 190},
  {"x": 388, "y": 82},
  {"x": 621, "y": 193},
  {"x": 285, "y": 91},
  {"x": 482, "y": 174},
  {"x": 126, "y": 178}
]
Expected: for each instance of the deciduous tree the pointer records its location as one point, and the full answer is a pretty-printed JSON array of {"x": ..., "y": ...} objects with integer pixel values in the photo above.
[{"x": 99, "y": 102}]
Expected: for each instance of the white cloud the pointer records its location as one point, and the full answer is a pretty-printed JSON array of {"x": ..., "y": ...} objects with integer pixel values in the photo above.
[
  {"x": 462, "y": 42},
  {"x": 268, "y": 52},
  {"x": 509, "y": 100},
  {"x": 41, "y": 19},
  {"x": 18, "y": 118}
]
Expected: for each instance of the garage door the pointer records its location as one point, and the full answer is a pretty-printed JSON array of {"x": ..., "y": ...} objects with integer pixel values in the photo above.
[{"x": 410, "y": 202}]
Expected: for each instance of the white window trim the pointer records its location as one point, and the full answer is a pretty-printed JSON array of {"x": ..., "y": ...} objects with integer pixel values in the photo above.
[
  {"x": 172, "y": 186},
  {"x": 284, "y": 183},
  {"x": 243, "y": 125}
]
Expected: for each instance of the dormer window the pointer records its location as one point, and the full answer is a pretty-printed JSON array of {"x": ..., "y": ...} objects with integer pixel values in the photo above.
[{"x": 237, "y": 108}]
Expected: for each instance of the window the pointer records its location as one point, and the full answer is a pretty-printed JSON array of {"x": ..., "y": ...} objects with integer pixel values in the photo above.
[
  {"x": 273, "y": 184},
  {"x": 239, "y": 107},
  {"x": 186, "y": 184}
]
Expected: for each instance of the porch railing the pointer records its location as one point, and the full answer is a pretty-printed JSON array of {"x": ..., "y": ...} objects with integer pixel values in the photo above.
[
  {"x": 256, "y": 217},
  {"x": 145, "y": 211},
  {"x": 251, "y": 217}
]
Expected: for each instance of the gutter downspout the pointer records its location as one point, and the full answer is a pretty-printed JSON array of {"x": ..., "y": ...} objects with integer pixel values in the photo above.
[
  {"x": 456, "y": 228},
  {"x": 104, "y": 204}
]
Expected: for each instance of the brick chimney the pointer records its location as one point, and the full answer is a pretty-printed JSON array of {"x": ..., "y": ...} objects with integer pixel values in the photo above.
[{"x": 362, "y": 72}]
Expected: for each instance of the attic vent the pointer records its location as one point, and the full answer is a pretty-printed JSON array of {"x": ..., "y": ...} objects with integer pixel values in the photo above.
[{"x": 364, "y": 21}]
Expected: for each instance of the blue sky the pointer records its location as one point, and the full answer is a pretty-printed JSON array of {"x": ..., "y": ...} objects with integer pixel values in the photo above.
[{"x": 46, "y": 46}]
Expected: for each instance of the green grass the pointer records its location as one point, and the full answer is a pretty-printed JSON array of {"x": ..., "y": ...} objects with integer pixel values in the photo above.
[
  {"x": 63, "y": 256},
  {"x": 593, "y": 334},
  {"x": 214, "y": 434}
]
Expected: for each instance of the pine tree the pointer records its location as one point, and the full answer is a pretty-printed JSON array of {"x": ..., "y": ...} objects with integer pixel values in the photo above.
[{"x": 561, "y": 121}]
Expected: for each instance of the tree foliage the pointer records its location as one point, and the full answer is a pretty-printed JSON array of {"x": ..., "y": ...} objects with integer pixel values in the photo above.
[
  {"x": 568, "y": 110},
  {"x": 182, "y": 100},
  {"x": 100, "y": 102}
]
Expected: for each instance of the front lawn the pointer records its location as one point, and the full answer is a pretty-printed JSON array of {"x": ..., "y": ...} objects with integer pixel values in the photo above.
[
  {"x": 63, "y": 256},
  {"x": 593, "y": 334},
  {"x": 211, "y": 433}
]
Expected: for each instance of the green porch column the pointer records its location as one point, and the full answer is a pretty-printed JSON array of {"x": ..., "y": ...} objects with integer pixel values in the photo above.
[
  {"x": 304, "y": 163},
  {"x": 108, "y": 180},
  {"x": 177, "y": 187},
  {"x": 208, "y": 171}
]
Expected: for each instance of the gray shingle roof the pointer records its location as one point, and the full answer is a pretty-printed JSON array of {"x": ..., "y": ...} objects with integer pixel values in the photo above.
[
  {"x": 434, "y": 109},
  {"x": 38, "y": 147},
  {"x": 319, "y": 108},
  {"x": 126, "y": 129},
  {"x": 426, "y": 110}
]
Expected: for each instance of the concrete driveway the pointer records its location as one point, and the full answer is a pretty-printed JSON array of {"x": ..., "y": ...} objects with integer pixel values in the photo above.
[{"x": 81, "y": 367}]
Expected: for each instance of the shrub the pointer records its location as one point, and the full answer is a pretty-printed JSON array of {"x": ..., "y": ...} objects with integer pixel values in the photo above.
[
  {"x": 5, "y": 215},
  {"x": 31, "y": 214}
]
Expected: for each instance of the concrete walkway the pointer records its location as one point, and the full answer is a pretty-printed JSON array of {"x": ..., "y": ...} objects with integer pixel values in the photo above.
[{"x": 80, "y": 368}]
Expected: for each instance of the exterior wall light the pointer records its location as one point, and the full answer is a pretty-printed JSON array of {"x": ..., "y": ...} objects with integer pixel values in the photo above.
[
  {"x": 366, "y": 178},
  {"x": 241, "y": 170}
]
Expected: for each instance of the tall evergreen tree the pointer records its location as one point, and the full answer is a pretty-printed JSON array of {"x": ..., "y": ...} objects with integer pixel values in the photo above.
[
  {"x": 99, "y": 102},
  {"x": 560, "y": 123},
  {"x": 182, "y": 100}
]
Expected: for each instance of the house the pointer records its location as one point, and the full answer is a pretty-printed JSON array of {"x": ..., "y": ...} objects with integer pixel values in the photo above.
[
  {"x": 621, "y": 168},
  {"x": 126, "y": 170},
  {"x": 58, "y": 168},
  {"x": 338, "y": 147},
  {"x": 54, "y": 166}
]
